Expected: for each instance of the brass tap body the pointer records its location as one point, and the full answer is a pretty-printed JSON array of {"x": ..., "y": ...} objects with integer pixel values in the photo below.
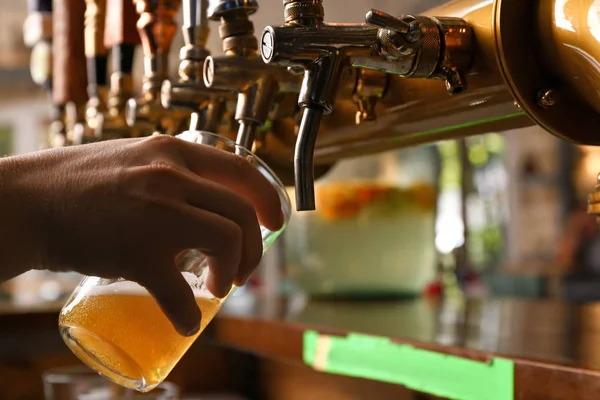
[
  {"x": 156, "y": 26},
  {"x": 37, "y": 34},
  {"x": 122, "y": 37},
  {"x": 97, "y": 59},
  {"x": 322, "y": 51},
  {"x": 69, "y": 77},
  {"x": 243, "y": 71},
  {"x": 208, "y": 105},
  {"x": 409, "y": 46}
]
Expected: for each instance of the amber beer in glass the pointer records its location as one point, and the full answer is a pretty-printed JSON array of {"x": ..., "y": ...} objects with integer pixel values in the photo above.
[{"x": 116, "y": 328}]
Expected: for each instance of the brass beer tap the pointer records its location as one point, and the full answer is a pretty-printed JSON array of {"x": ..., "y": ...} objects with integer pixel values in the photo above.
[
  {"x": 69, "y": 78},
  {"x": 408, "y": 46},
  {"x": 97, "y": 62},
  {"x": 242, "y": 70},
  {"x": 157, "y": 28},
  {"x": 37, "y": 34},
  {"x": 190, "y": 92},
  {"x": 121, "y": 36}
]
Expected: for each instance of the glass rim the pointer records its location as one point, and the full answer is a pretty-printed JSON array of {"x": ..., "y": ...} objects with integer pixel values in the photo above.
[{"x": 277, "y": 183}]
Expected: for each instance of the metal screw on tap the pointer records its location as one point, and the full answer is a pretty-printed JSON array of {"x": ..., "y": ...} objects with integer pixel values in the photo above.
[
  {"x": 547, "y": 98},
  {"x": 594, "y": 201},
  {"x": 267, "y": 45},
  {"x": 209, "y": 71}
]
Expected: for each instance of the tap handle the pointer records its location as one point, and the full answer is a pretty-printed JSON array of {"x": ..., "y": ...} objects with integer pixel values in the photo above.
[
  {"x": 156, "y": 25},
  {"x": 95, "y": 50},
  {"x": 120, "y": 27},
  {"x": 386, "y": 21},
  {"x": 195, "y": 27},
  {"x": 195, "y": 13},
  {"x": 37, "y": 34},
  {"x": 121, "y": 34},
  {"x": 397, "y": 36},
  {"x": 39, "y": 6},
  {"x": 69, "y": 63},
  {"x": 38, "y": 23},
  {"x": 219, "y": 8},
  {"x": 95, "y": 16}
]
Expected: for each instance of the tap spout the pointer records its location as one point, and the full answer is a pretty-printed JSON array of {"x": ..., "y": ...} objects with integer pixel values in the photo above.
[{"x": 304, "y": 174}]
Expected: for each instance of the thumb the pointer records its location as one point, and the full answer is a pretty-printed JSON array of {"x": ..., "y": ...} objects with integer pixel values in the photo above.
[{"x": 175, "y": 298}]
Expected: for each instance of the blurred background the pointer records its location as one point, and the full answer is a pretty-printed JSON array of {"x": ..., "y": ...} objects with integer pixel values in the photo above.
[
  {"x": 522, "y": 227},
  {"x": 496, "y": 215}
]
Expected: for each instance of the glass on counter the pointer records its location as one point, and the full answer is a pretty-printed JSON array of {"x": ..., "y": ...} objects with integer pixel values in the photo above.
[
  {"x": 81, "y": 383},
  {"x": 373, "y": 232},
  {"x": 115, "y": 326}
]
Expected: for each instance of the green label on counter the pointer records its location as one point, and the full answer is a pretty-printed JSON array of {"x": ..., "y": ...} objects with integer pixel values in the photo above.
[{"x": 426, "y": 371}]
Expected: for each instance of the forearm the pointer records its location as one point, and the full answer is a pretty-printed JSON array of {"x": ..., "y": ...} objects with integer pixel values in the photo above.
[{"x": 17, "y": 244}]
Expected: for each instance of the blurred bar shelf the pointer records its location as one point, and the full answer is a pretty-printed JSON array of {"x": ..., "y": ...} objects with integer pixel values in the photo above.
[{"x": 554, "y": 345}]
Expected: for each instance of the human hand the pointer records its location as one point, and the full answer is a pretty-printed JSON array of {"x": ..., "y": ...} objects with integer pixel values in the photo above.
[{"x": 127, "y": 208}]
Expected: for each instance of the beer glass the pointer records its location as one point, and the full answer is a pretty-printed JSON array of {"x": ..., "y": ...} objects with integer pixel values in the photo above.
[
  {"x": 116, "y": 328},
  {"x": 82, "y": 383},
  {"x": 70, "y": 383}
]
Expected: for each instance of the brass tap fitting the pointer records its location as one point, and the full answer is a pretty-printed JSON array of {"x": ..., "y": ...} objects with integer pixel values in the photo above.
[
  {"x": 421, "y": 47},
  {"x": 370, "y": 86},
  {"x": 242, "y": 70},
  {"x": 97, "y": 60},
  {"x": 157, "y": 28},
  {"x": 594, "y": 201},
  {"x": 37, "y": 34},
  {"x": 121, "y": 90},
  {"x": 408, "y": 46},
  {"x": 190, "y": 92},
  {"x": 58, "y": 127},
  {"x": 75, "y": 121},
  {"x": 122, "y": 37},
  {"x": 69, "y": 78}
]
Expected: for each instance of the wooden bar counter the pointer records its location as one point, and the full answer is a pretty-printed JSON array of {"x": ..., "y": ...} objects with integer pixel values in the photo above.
[{"x": 551, "y": 347}]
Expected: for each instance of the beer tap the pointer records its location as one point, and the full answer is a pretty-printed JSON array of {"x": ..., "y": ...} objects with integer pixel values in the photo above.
[
  {"x": 97, "y": 62},
  {"x": 37, "y": 34},
  {"x": 242, "y": 70},
  {"x": 322, "y": 50},
  {"x": 190, "y": 92},
  {"x": 418, "y": 47},
  {"x": 69, "y": 78},
  {"x": 121, "y": 36},
  {"x": 157, "y": 28}
]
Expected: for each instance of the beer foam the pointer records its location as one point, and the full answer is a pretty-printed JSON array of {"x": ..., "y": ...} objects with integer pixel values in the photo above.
[{"x": 132, "y": 288}]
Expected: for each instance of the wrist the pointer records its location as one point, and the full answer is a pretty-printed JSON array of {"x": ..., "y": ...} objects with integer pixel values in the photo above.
[{"x": 19, "y": 244}]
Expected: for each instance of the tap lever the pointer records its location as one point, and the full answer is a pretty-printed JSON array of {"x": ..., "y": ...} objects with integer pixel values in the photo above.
[
  {"x": 398, "y": 36},
  {"x": 221, "y": 8},
  {"x": 387, "y": 21}
]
